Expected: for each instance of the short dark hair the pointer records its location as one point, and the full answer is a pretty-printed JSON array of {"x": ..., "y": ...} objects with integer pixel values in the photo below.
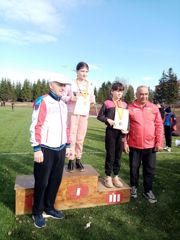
[
  {"x": 168, "y": 109},
  {"x": 117, "y": 86},
  {"x": 82, "y": 65}
]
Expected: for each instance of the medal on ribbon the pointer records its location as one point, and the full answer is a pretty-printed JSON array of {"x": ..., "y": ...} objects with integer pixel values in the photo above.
[
  {"x": 119, "y": 110},
  {"x": 84, "y": 93}
]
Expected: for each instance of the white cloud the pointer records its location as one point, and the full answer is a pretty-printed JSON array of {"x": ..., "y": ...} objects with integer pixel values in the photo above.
[
  {"x": 39, "y": 13},
  {"x": 94, "y": 67},
  {"x": 29, "y": 21},
  {"x": 148, "y": 78},
  {"x": 33, "y": 75},
  {"x": 12, "y": 35},
  {"x": 29, "y": 17},
  {"x": 15, "y": 75},
  {"x": 76, "y": 3},
  {"x": 46, "y": 14}
]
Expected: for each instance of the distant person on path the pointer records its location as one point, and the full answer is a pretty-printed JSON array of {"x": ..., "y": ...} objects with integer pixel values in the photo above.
[
  {"x": 113, "y": 136},
  {"x": 144, "y": 139},
  {"x": 12, "y": 105},
  {"x": 169, "y": 127},
  {"x": 78, "y": 96},
  {"x": 50, "y": 143}
]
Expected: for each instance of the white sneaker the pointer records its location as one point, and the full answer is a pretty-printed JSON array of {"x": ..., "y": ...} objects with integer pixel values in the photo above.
[
  {"x": 169, "y": 149},
  {"x": 134, "y": 192},
  {"x": 108, "y": 182},
  {"x": 116, "y": 181},
  {"x": 150, "y": 197},
  {"x": 165, "y": 148}
]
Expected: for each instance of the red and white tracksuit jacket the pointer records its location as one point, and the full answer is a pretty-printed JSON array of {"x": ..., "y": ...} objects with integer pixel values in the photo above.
[
  {"x": 146, "y": 126},
  {"x": 49, "y": 123}
]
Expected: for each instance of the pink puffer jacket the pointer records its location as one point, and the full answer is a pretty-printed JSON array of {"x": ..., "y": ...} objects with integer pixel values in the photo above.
[{"x": 146, "y": 126}]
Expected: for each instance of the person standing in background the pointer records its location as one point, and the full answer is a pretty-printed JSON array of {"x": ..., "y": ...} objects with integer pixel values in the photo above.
[
  {"x": 169, "y": 125},
  {"x": 161, "y": 108}
]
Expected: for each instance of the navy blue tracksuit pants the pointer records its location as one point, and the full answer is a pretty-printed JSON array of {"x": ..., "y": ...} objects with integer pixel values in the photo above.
[{"x": 48, "y": 176}]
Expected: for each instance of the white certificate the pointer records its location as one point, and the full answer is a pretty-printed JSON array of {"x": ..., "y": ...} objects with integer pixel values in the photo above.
[
  {"x": 121, "y": 124},
  {"x": 82, "y": 106}
]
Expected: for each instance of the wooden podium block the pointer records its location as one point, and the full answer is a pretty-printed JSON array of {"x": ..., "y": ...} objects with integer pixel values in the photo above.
[
  {"x": 103, "y": 196},
  {"x": 24, "y": 187},
  {"x": 77, "y": 190},
  {"x": 78, "y": 183}
]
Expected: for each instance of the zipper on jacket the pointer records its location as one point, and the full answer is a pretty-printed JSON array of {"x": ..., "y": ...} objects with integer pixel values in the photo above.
[{"x": 60, "y": 113}]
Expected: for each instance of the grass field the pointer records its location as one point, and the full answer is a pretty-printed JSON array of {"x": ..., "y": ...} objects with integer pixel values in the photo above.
[{"x": 134, "y": 220}]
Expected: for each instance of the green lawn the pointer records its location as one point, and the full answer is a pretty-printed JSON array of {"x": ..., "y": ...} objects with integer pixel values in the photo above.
[{"x": 134, "y": 220}]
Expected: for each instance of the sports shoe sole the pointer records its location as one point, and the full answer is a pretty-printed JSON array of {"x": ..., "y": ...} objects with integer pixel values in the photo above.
[
  {"x": 134, "y": 196},
  {"x": 108, "y": 186},
  {"x": 81, "y": 170},
  {"x": 70, "y": 171},
  {"x": 37, "y": 225},
  {"x": 118, "y": 186},
  {"x": 149, "y": 199},
  {"x": 45, "y": 215}
]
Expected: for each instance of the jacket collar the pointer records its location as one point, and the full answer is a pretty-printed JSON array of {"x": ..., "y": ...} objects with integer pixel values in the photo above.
[
  {"x": 136, "y": 104},
  {"x": 54, "y": 96}
]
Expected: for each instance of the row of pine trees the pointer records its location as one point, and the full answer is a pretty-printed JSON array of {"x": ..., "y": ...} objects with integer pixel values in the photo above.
[{"x": 166, "y": 90}]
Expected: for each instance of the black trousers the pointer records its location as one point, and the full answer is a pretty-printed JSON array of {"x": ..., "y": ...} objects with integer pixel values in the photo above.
[
  {"x": 148, "y": 159},
  {"x": 168, "y": 135},
  {"x": 48, "y": 176},
  {"x": 114, "y": 147}
]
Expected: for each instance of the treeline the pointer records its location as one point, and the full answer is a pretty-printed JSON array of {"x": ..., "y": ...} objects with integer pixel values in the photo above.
[
  {"x": 104, "y": 92},
  {"x": 26, "y": 92},
  {"x": 166, "y": 90}
]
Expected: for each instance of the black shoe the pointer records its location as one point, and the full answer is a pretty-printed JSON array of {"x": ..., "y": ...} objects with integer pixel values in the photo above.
[
  {"x": 70, "y": 166},
  {"x": 79, "y": 165}
]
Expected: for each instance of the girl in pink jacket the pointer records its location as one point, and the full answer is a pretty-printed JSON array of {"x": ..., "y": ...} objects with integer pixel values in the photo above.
[{"x": 78, "y": 96}]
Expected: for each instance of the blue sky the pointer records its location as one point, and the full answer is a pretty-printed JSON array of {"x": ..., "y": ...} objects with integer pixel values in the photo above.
[{"x": 134, "y": 40}]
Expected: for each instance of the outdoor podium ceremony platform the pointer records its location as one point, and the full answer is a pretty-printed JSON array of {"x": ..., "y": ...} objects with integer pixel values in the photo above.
[{"x": 77, "y": 190}]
